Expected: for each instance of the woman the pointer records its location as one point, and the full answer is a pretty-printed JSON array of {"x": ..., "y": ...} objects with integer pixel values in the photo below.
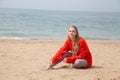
[{"x": 74, "y": 51}]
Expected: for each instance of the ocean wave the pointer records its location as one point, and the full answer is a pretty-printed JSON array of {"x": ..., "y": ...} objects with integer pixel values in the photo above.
[{"x": 14, "y": 38}]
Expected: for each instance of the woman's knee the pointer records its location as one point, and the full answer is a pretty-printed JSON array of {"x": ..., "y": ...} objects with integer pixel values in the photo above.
[
  {"x": 68, "y": 54},
  {"x": 80, "y": 63}
]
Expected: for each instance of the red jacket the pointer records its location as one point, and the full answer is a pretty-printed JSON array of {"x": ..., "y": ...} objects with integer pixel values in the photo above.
[{"x": 83, "y": 53}]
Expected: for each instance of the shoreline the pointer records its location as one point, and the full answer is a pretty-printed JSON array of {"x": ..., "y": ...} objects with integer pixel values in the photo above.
[{"x": 96, "y": 40}]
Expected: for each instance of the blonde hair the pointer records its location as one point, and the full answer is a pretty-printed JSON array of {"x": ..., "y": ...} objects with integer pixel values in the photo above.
[{"x": 76, "y": 41}]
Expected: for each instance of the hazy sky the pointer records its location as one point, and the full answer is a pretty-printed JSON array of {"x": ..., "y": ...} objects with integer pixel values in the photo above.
[{"x": 81, "y": 5}]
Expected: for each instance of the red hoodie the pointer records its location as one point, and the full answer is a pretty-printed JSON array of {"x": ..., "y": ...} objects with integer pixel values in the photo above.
[{"x": 83, "y": 53}]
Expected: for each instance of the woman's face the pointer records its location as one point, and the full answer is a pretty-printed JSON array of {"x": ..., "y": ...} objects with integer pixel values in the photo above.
[{"x": 72, "y": 33}]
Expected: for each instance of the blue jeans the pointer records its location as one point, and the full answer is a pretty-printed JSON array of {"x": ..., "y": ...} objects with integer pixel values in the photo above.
[{"x": 79, "y": 63}]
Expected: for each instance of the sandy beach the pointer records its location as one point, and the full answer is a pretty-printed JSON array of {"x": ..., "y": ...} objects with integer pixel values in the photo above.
[{"x": 26, "y": 59}]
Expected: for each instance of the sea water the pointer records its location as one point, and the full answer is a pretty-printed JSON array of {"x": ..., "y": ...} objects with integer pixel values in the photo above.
[{"x": 51, "y": 24}]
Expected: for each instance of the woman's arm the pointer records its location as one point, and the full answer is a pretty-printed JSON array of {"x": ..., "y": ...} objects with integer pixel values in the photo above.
[
  {"x": 60, "y": 52},
  {"x": 84, "y": 50}
]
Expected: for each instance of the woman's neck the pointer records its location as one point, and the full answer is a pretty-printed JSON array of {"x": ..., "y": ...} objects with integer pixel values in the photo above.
[{"x": 73, "y": 40}]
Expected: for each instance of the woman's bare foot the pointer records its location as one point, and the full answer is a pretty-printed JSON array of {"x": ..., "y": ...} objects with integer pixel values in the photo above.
[{"x": 48, "y": 67}]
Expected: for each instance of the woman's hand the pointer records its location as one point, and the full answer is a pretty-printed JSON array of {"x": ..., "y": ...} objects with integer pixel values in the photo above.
[
  {"x": 49, "y": 66},
  {"x": 64, "y": 60}
]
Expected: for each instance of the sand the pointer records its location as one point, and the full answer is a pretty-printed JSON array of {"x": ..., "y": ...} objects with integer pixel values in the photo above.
[{"x": 26, "y": 59}]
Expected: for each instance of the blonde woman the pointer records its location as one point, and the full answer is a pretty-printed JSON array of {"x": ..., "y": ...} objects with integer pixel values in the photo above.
[{"x": 74, "y": 51}]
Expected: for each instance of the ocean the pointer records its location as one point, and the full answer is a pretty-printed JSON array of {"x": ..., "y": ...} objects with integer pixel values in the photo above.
[{"x": 51, "y": 24}]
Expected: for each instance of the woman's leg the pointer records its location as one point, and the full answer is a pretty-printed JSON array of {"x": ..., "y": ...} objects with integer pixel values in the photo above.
[
  {"x": 80, "y": 63},
  {"x": 50, "y": 66},
  {"x": 68, "y": 54}
]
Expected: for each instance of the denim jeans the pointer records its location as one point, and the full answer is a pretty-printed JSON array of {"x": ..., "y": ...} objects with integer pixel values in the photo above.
[{"x": 79, "y": 63}]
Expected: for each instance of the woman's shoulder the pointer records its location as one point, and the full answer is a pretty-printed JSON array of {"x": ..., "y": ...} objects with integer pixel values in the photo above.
[
  {"x": 82, "y": 39},
  {"x": 67, "y": 41}
]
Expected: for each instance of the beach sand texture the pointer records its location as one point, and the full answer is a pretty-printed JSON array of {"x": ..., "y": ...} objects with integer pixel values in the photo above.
[{"x": 26, "y": 59}]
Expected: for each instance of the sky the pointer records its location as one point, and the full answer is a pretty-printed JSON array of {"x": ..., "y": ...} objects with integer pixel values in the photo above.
[{"x": 77, "y": 5}]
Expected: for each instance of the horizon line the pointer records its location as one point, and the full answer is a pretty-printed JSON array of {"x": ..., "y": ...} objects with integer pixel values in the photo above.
[{"x": 59, "y": 9}]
